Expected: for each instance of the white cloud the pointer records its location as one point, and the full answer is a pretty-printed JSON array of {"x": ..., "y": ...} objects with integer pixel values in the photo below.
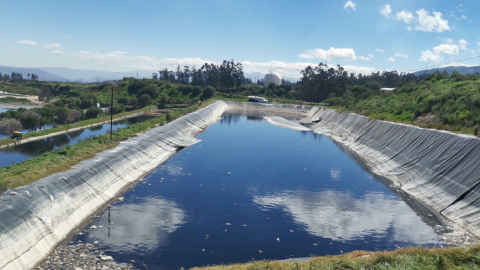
[
  {"x": 409, "y": 28},
  {"x": 370, "y": 55},
  {"x": 53, "y": 46},
  {"x": 332, "y": 53},
  {"x": 401, "y": 55},
  {"x": 406, "y": 16},
  {"x": 478, "y": 43},
  {"x": 65, "y": 36},
  {"x": 451, "y": 49},
  {"x": 59, "y": 52},
  {"x": 390, "y": 59},
  {"x": 320, "y": 214},
  {"x": 28, "y": 42},
  {"x": 119, "y": 52},
  {"x": 433, "y": 23},
  {"x": 363, "y": 58},
  {"x": 463, "y": 44},
  {"x": 85, "y": 55},
  {"x": 464, "y": 17},
  {"x": 428, "y": 56},
  {"x": 386, "y": 10},
  {"x": 379, "y": 50},
  {"x": 350, "y": 4}
]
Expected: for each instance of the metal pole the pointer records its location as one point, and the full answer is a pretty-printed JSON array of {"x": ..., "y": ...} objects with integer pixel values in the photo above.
[{"x": 111, "y": 116}]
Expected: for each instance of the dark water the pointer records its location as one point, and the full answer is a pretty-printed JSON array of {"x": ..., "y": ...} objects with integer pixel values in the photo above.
[
  {"x": 25, "y": 151},
  {"x": 252, "y": 190}
]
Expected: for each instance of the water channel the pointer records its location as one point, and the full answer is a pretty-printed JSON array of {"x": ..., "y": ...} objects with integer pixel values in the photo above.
[
  {"x": 252, "y": 190},
  {"x": 22, "y": 152}
]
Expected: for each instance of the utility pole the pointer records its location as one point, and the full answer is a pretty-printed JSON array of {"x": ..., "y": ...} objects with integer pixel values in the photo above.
[{"x": 111, "y": 117}]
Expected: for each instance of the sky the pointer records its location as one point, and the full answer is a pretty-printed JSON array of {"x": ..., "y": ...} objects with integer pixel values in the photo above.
[{"x": 286, "y": 36}]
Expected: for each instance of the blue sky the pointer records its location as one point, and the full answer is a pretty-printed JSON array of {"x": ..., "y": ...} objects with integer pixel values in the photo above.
[{"x": 362, "y": 36}]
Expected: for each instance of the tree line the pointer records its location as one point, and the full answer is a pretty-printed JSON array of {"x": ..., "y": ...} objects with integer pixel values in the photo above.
[
  {"x": 18, "y": 77},
  {"x": 321, "y": 82},
  {"x": 226, "y": 76}
]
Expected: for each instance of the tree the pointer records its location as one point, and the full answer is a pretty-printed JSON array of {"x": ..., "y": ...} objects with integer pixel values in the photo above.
[
  {"x": 93, "y": 112},
  {"x": 133, "y": 102},
  {"x": 208, "y": 92},
  {"x": 144, "y": 100},
  {"x": 117, "y": 108},
  {"x": 8, "y": 125},
  {"x": 123, "y": 100},
  {"x": 163, "y": 101},
  {"x": 30, "y": 119},
  {"x": 61, "y": 113}
]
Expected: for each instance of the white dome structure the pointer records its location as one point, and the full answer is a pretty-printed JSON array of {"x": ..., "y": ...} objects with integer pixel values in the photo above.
[{"x": 273, "y": 77}]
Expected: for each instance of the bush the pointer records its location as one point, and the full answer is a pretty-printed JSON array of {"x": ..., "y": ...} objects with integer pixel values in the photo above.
[
  {"x": 123, "y": 100},
  {"x": 7, "y": 126},
  {"x": 117, "y": 108},
  {"x": 93, "y": 112},
  {"x": 62, "y": 114},
  {"x": 74, "y": 116},
  {"x": 208, "y": 92},
  {"x": 144, "y": 101},
  {"x": 30, "y": 120},
  {"x": 133, "y": 102},
  {"x": 197, "y": 90},
  {"x": 168, "y": 117}
]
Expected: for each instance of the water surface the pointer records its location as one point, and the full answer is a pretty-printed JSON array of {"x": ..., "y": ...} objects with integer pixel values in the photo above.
[
  {"x": 252, "y": 190},
  {"x": 22, "y": 152}
]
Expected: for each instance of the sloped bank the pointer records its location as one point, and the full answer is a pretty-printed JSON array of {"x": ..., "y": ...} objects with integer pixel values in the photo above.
[
  {"x": 36, "y": 217},
  {"x": 439, "y": 168}
]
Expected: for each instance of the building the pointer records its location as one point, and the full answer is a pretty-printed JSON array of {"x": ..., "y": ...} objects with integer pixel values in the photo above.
[
  {"x": 272, "y": 77},
  {"x": 386, "y": 89}
]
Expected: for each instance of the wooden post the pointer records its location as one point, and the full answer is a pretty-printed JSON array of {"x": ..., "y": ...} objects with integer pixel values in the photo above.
[{"x": 111, "y": 116}]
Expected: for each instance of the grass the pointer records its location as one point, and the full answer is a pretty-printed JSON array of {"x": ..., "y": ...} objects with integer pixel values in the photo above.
[
  {"x": 65, "y": 158},
  {"x": 25, "y": 87},
  {"x": 14, "y": 100},
  {"x": 73, "y": 125},
  {"x": 408, "y": 258}
]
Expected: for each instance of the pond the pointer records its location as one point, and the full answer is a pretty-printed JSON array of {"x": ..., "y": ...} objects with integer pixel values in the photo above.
[
  {"x": 19, "y": 153},
  {"x": 252, "y": 191}
]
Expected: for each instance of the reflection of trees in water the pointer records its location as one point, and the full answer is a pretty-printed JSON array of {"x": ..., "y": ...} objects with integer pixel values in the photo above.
[
  {"x": 230, "y": 118},
  {"x": 95, "y": 128},
  {"x": 254, "y": 118},
  {"x": 75, "y": 134},
  {"x": 137, "y": 119},
  {"x": 37, "y": 148}
]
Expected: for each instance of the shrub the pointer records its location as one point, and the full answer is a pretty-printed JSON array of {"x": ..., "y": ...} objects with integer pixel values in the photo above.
[
  {"x": 208, "y": 92},
  {"x": 133, "y": 102},
  {"x": 144, "y": 100},
  {"x": 93, "y": 112},
  {"x": 8, "y": 125},
  {"x": 123, "y": 100}
]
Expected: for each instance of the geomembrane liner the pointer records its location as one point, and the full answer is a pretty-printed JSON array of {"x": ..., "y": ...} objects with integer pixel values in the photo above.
[{"x": 438, "y": 168}]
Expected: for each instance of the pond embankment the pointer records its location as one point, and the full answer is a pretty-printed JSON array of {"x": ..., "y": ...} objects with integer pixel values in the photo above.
[
  {"x": 37, "y": 138},
  {"x": 438, "y": 168}
]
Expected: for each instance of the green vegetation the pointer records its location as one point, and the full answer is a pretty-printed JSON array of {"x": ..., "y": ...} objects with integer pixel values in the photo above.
[
  {"x": 73, "y": 125},
  {"x": 63, "y": 159},
  {"x": 14, "y": 100},
  {"x": 438, "y": 101},
  {"x": 408, "y": 258}
]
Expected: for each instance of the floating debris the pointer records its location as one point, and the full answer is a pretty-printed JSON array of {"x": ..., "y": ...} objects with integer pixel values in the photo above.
[{"x": 228, "y": 224}]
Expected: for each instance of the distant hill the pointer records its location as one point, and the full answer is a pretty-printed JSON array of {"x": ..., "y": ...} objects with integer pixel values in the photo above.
[
  {"x": 460, "y": 69},
  {"x": 62, "y": 74},
  {"x": 90, "y": 75},
  {"x": 42, "y": 74}
]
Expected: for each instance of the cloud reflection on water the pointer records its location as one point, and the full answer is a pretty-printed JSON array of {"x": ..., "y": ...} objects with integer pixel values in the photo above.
[
  {"x": 145, "y": 225},
  {"x": 343, "y": 216}
]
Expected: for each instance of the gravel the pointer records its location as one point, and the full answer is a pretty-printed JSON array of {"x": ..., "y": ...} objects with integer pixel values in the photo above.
[{"x": 80, "y": 257}]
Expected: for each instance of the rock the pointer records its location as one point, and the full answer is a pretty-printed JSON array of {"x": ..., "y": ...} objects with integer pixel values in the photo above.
[
  {"x": 93, "y": 227},
  {"x": 121, "y": 199},
  {"x": 106, "y": 258}
]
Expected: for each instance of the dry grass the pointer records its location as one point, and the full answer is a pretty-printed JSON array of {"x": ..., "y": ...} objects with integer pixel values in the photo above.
[{"x": 409, "y": 258}]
